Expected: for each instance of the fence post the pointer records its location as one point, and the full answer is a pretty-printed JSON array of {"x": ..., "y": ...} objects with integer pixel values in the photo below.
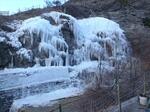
[
  {"x": 144, "y": 83},
  {"x": 60, "y": 108},
  {"x": 118, "y": 94}
]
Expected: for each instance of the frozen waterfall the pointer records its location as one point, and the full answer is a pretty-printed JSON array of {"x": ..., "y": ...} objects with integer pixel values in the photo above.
[{"x": 96, "y": 38}]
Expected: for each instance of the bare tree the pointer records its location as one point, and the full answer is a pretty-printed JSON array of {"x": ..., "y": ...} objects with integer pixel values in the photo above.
[{"x": 50, "y": 3}]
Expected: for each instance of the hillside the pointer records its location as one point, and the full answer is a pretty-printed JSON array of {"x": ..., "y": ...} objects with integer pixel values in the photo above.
[{"x": 73, "y": 49}]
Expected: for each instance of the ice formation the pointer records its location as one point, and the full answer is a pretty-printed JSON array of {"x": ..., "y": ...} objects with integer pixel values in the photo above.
[
  {"x": 96, "y": 39},
  {"x": 58, "y": 39}
]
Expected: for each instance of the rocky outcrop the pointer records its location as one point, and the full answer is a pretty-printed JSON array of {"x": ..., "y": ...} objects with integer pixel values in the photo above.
[
  {"x": 8, "y": 99},
  {"x": 5, "y": 56},
  {"x": 9, "y": 56}
]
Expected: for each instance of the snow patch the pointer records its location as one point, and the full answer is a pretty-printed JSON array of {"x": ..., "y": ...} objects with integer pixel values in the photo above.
[
  {"x": 45, "y": 99},
  {"x": 2, "y": 39},
  {"x": 13, "y": 40},
  {"x": 32, "y": 76},
  {"x": 24, "y": 53}
]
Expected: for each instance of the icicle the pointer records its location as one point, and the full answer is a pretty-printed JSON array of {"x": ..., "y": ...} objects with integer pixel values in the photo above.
[
  {"x": 67, "y": 58},
  {"x": 11, "y": 64},
  {"x": 48, "y": 62},
  {"x": 37, "y": 61},
  {"x": 31, "y": 37},
  {"x": 24, "y": 40}
]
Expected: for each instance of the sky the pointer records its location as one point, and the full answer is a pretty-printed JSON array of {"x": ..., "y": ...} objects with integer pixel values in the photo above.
[{"x": 14, "y": 6}]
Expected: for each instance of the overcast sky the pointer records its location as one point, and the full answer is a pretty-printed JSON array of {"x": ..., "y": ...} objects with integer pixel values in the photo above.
[{"x": 14, "y": 5}]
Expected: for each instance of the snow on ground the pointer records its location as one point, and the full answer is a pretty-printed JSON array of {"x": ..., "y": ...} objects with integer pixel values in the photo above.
[
  {"x": 86, "y": 65},
  {"x": 23, "y": 5},
  {"x": 46, "y": 98},
  {"x": 92, "y": 66},
  {"x": 15, "y": 78}
]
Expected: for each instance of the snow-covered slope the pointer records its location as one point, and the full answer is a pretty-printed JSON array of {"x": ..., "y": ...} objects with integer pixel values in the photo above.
[{"x": 65, "y": 47}]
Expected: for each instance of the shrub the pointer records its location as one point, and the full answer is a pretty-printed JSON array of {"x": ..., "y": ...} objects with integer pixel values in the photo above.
[
  {"x": 146, "y": 22},
  {"x": 124, "y": 2},
  {"x": 50, "y": 3}
]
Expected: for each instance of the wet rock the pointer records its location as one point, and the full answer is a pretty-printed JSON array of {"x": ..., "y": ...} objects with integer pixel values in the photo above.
[
  {"x": 22, "y": 62},
  {"x": 6, "y": 101},
  {"x": 76, "y": 11},
  {"x": 50, "y": 19},
  {"x": 5, "y": 56},
  {"x": 6, "y": 28},
  {"x": 68, "y": 36}
]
